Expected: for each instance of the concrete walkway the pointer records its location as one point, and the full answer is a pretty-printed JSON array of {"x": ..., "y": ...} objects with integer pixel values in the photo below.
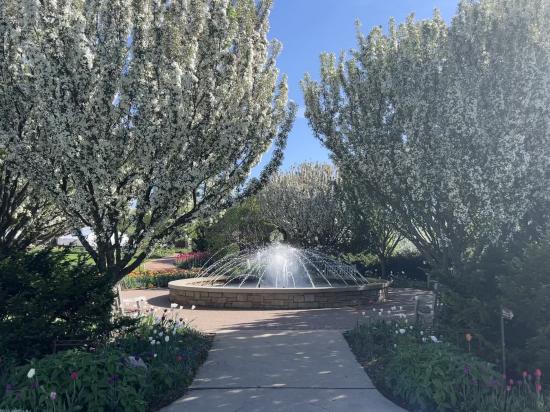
[
  {"x": 275, "y": 370},
  {"x": 282, "y": 360}
]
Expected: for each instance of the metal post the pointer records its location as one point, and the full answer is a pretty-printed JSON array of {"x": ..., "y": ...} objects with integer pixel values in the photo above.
[{"x": 503, "y": 343}]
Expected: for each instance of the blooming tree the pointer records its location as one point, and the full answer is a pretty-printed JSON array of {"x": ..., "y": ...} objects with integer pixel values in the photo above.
[
  {"x": 305, "y": 206},
  {"x": 145, "y": 114},
  {"x": 26, "y": 216},
  {"x": 447, "y": 126}
]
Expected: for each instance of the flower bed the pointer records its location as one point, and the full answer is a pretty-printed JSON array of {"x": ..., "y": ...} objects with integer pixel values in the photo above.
[
  {"x": 146, "y": 279},
  {"x": 141, "y": 370},
  {"x": 422, "y": 373},
  {"x": 191, "y": 260}
]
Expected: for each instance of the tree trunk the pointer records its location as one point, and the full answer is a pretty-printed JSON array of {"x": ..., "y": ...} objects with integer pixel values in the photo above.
[{"x": 382, "y": 260}]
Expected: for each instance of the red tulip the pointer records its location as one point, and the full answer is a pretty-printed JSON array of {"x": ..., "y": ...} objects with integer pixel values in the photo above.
[
  {"x": 538, "y": 388},
  {"x": 538, "y": 373},
  {"x": 74, "y": 376},
  {"x": 525, "y": 374}
]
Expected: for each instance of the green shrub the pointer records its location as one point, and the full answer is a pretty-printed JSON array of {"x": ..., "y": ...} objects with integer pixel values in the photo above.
[
  {"x": 44, "y": 297},
  {"x": 406, "y": 269},
  {"x": 524, "y": 286},
  {"x": 241, "y": 227},
  {"x": 517, "y": 277},
  {"x": 425, "y": 375},
  {"x": 402, "y": 267}
]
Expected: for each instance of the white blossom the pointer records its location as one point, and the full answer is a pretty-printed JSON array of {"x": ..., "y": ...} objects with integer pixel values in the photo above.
[
  {"x": 144, "y": 117},
  {"x": 446, "y": 126}
]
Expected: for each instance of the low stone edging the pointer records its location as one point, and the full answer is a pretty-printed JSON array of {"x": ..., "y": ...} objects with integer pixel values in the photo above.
[{"x": 189, "y": 292}]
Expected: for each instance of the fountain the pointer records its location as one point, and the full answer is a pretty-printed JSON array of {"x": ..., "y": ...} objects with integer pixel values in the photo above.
[{"x": 277, "y": 276}]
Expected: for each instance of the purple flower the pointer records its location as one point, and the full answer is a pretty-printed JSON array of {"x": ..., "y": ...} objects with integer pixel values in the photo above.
[
  {"x": 112, "y": 379},
  {"x": 466, "y": 370},
  {"x": 493, "y": 383},
  {"x": 9, "y": 387}
]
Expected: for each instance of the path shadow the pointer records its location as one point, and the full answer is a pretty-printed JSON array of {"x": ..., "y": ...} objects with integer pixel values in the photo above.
[
  {"x": 400, "y": 302},
  {"x": 282, "y": 370}
]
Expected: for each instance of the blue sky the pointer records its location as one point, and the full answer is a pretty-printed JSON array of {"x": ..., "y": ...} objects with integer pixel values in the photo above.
[{"x": 309, "y": 27}]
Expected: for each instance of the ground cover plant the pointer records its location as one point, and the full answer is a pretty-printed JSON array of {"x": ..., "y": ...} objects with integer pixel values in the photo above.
[{"x": 416, "y": 369}]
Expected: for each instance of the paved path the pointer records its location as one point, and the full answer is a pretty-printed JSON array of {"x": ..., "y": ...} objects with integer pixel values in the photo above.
[
  {"x": 165, "y": 263},
  {"x": 216, "y": 320},
  {"x": 278, "y": 370},
  {"x": 282, "y": 360}
]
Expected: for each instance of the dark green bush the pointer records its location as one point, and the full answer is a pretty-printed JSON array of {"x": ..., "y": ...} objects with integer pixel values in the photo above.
[
  {"x": 406, "y": 269},
  {"x": 44, "y": 297},
  {"x": 242, "y": 226},
  {"x": 410, "y": 266},
  {"x": 515, "y": 277},
  {"x": 524, "y": 286}
]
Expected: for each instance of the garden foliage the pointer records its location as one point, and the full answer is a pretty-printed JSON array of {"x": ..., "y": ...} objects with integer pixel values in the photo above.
[
  {"x": 417, "y": 369},
  {"x": 44, "y": 297},
  {"x": 517, "y": 277},
  {"x": 138, "y": 371},
  {"x": 147, "y": 279}
]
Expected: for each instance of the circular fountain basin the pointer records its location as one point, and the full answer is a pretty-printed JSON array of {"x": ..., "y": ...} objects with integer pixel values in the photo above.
[{"x": 201, "y": 293}]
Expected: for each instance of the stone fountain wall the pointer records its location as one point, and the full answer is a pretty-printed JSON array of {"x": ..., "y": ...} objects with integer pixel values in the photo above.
[{"x": 189, "y": 292}]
